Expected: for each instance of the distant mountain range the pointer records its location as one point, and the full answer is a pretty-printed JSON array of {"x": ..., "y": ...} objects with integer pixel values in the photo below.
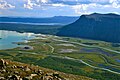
[
  {"x": 56, "y": 19},
  {"x": 96, "y": 26}
]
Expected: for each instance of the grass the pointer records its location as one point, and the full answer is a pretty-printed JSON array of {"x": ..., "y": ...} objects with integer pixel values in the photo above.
[
  {"x": 33, "y": 68},
  {"x": 73, "y": 67},
  {"x": 91, "y": 56},
  {"x": 41, "y": 46},
  {"x": 39, "y": 56}
]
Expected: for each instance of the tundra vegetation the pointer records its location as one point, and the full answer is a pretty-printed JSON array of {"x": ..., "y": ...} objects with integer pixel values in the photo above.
[{"x": 77, "y": 58}]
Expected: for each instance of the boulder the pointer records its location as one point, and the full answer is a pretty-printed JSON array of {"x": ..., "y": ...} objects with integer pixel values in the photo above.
[
  {"x": 49, "y": 74},
  {"x": 14, "y": 66},
  {"x": 16, "y": 72},
  {"x": 47, "y": 78},
  {"x": 14, "y": 77},
  {"x": 39, "y": 72},
  {"x": 30, "y": 77},
  {"x": 2, "y": 78},
  {"x": 26, "y": 68},
  {"x": 2, "y": 64},
  {"x": 25, "y": 78},
  {"x": 56, "y": 74}
]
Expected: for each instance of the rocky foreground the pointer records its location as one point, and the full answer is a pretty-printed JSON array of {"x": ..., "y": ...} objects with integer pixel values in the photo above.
[
  {"x": 17, "y": 71},
  {"x": 10, "y": 70}
]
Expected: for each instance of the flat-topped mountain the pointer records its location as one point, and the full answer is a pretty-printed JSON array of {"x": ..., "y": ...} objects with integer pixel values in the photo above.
[{"x": 96, "y": 26}]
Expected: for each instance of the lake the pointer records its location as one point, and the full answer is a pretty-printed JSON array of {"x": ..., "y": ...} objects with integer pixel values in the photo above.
[
  {"x": 7, "y": 38},
  {"x": 35, "y": 23}
]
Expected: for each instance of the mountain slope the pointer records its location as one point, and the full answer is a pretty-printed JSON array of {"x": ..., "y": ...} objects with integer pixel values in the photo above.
[
  {"x": 11, "y": 70},
  {"x": 96, "y": 26}
]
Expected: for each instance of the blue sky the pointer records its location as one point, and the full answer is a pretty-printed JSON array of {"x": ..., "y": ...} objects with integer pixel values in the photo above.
[{"x": 48, "y": 8}]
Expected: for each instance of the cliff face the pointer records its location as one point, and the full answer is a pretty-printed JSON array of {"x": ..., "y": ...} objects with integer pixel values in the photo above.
[{"x": 96, "y": 26}]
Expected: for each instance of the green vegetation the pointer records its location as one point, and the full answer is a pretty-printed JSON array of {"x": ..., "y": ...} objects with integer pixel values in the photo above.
[
  {"x": 45, "y": 29},
  {"x": 74, "y": 67},
  {"x": 11, "y": 70},
  {"x": 54, "y": 53}
]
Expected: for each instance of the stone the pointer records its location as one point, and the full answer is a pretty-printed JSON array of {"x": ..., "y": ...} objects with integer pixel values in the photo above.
[
  {"x": 26, "y": 78},
  {"x": 3, "y": 70},
  {"x": 6, "y": 63},
  {"x": 39, "y": 72},
  {"x": 14, "y": 66},
  {"x": 20, "y": 67},
  {"x": 2, "y": 78},
  {"x": 55, "y": 74},
  {"x": 30, "y": 77},
  {"x": 16, "y": 72},
  {"x": 47, "y": 78},
  {"x": 14, "y": 77},
  {"x": 2, "y": 64},
  {"x": 27, "y": 68},
  {"x": 49, "y": 74}
]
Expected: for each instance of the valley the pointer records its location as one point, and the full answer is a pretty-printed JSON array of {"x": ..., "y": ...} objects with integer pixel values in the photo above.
[
  {"x": 59, "y": 39},
  {"x": 87, "y": 49},
  {"x": 89, "y": 58}
]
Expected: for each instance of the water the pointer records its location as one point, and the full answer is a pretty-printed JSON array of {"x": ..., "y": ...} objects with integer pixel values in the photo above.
[
  {"x": 35, "y": 23},
  {"x": 118, "y": 60},
  {"x": 7, "y": 38}
]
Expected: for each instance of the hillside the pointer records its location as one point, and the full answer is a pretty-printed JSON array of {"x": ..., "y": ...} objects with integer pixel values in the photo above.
[
  {"x": 96, "y": 26},
  {"x": 68, "y": 56},
  {"x": 10, "y": 70},
  {"x": 45, "y": 29}
]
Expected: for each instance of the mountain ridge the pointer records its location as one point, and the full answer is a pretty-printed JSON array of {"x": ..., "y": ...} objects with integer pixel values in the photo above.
[
  {"x": 55, "y": 19},
  {"x": 94, "y": 26}
]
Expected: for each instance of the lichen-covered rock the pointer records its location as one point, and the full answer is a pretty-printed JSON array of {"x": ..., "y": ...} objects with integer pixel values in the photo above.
[
  {"x": 56, "y": 74},
  {"x": 47, "y": 78},
  {"x": 2, "y": 64},
  {"x": 2, "y": 78},
  {"x": 14, "y": 77},
  {"x": 18, "y": 71},
  {"x": 26, "y": 68}
]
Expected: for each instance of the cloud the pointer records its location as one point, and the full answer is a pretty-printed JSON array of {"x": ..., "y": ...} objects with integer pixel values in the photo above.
[
  {"x": 75, "y": 2},
  {"x": 5, "y": 5},
  {"x": 60, "y": 7},
  {"x": 115, "y": 3},
  {"x": 95, "y": 7},
  {"x": 83, "y": 8},
  {"x": 29, "y": 4},
  {"x": 43, "y": 1},
  {"x": 77, "y": 5},
  {"x": 34, "y": 3}
]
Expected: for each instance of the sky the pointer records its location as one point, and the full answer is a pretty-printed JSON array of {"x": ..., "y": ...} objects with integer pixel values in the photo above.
[{"x": 49, "y": 8}]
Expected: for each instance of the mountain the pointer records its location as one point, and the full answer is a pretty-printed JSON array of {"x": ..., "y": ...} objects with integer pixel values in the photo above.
[
  {"x": 96, "y": 26},
  {"x": 56, "y": 19}
]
